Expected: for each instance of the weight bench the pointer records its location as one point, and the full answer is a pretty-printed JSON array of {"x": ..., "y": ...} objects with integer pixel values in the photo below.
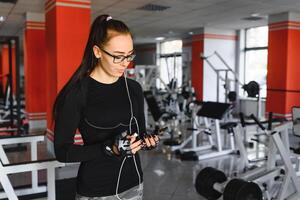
[
  {"x": 31, "y": 166},
  {"x": 209, "y": 111}
]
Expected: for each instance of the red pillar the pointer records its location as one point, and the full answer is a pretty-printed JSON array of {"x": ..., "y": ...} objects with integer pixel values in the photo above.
[
  {"x": 283, "y": 86},
  {"x": 197, "y": 65},
  {"x": 67, "y": 29},
  {"x": 5, "y": 66},
  {"x": 14, "y": 69},
  {"x": 35, "y": 70},
  {"x": 1, "y": 75}
]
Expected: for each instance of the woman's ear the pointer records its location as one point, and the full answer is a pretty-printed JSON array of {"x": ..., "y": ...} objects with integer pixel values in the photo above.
[{"x": 97, "y": 51}]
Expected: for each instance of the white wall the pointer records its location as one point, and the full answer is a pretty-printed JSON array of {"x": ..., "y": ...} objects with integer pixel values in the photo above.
[
  {"x": 227, "y": 49},
  {"x": 186, "y": 61}
]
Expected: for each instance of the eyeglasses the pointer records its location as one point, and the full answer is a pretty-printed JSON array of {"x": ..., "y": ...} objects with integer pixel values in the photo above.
[{"x": 119, "y": 59}]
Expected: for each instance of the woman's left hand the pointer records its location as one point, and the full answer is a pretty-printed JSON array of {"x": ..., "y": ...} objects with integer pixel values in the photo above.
[{"x": 151, "y": 141}]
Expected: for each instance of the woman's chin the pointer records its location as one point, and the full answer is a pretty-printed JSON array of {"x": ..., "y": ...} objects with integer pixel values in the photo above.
[{"x": 119, "y": 74}]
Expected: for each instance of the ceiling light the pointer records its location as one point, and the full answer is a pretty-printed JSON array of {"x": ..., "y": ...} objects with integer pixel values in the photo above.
[
  {"x": 2, "y": 18},
  {"x": 191, "y": 33},
  {"x": 153, "y": 7},
  {"x": 159, "y": 38},
  {"x": 254, "y": 14},
  {"x": 254, "y": 17}
]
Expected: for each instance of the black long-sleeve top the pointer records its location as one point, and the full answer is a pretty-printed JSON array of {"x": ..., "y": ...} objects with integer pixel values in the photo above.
[{"x": 100, "y": 112}]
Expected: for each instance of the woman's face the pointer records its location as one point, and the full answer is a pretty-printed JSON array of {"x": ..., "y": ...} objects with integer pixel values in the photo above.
[{"x": 116, "y": 55}]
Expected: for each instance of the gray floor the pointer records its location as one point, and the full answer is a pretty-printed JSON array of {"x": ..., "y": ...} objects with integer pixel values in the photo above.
[{"x": 167, "y": 178}]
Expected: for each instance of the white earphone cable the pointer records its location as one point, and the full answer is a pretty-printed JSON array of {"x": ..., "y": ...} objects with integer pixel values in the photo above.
[{"x": 138, "y": 132}]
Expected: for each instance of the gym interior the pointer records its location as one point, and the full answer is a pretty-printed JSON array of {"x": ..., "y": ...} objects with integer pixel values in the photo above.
[{"x": 219, "y": 80}]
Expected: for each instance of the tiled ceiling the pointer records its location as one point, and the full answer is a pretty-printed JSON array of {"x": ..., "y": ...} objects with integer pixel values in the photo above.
[{"x": 182, "y": 16}]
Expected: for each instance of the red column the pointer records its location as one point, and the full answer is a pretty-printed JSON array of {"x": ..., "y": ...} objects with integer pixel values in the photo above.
[
  {"x": 67, "y": 29},
  {"x": 35, "y": 70},
  {"x": 283, "y": 86},
  {"x": 1, "y": 75},
  {"x": 197, "y": 65},
  {"x": 14, "y": 69},
  {"x": 5, "y": 66}
]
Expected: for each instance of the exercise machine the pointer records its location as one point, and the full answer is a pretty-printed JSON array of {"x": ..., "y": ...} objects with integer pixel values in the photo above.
[
  {"x": 211, "y": 113},
  {"x": 269, "y": 173}
]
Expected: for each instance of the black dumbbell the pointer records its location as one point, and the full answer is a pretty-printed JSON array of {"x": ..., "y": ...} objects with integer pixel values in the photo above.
[{"x": 212, "y": 184}]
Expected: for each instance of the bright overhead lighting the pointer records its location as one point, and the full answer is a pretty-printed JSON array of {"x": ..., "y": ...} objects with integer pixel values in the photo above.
[
  {"x": 2, "y": 19},
  {"x": 159, "y": 38},
  {"x": 255, "y": 14},
  {"x": 171, "y": 32}
]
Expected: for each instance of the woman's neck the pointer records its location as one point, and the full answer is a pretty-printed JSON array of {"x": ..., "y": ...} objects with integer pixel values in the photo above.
[{"x": 102, "y": 76}]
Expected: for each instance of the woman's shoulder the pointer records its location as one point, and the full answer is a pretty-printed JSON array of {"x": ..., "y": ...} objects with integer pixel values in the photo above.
[
  {"x": 133, "y": 83},
  {"x": 78, "y": 91}
]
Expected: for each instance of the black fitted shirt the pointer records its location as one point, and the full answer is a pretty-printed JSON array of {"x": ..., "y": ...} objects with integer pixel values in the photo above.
[{"x": 100, "y": 112}]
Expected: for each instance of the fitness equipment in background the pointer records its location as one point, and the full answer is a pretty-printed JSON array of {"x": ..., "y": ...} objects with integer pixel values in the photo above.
[
  {"x": 14, "y": 122},
  {"x": 163, "y": 118},
  {"x": 296, "y": 120},
  {"x": 8, "y": 119},
  {"x": 279, "y": 140},
  {"x": 253, "y": 91},
  {"x": 225, "y": 78},
  {"x": 230, "y": 85},
  {"x": 212, "y": 184},
  {"x": 172, "y": 100},
  {"x": 211, "y": 113}
]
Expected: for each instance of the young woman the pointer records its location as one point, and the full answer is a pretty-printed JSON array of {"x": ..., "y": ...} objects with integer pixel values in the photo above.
[{"x": 108, "y": 110}]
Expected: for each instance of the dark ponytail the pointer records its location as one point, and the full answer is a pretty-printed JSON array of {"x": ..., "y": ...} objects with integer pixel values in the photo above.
[{"x": 99, "y": 35}]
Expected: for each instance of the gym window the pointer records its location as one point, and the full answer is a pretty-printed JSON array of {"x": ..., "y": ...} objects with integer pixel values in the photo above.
[
  {"x": 256, "y": 57},
  {"x": 169, "y": 60}
]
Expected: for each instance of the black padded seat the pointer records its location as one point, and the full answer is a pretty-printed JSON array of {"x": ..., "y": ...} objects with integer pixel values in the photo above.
[
  {"x": 228, "y": 125},
  {"x": 297, "y": 151}
]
